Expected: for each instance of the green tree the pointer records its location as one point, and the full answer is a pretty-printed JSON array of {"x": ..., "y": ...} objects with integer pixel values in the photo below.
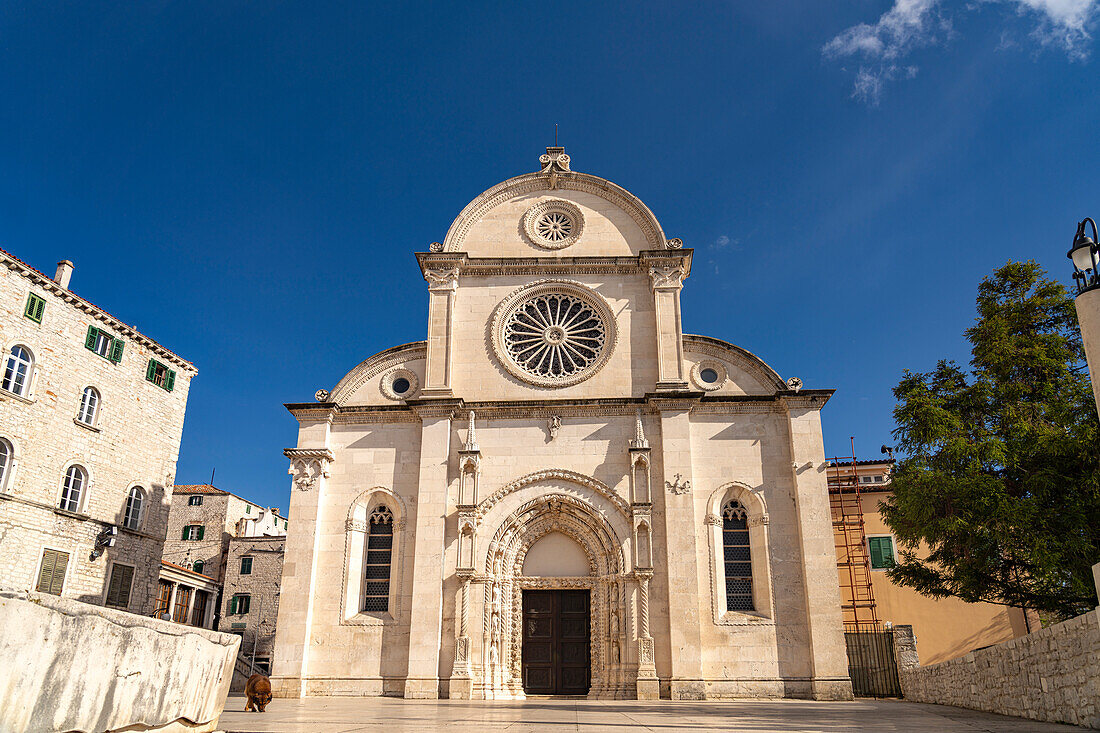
[{"x": 1000, "y": 481}]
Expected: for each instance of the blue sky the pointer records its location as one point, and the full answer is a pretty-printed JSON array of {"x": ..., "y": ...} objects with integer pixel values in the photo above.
[{"x": 247, "y": 182}]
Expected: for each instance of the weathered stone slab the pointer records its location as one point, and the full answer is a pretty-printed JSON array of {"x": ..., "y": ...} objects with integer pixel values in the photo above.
[{"x": 71, "y": 666}]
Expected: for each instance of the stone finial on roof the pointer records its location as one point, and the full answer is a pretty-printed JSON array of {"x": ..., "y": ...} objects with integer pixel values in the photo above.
[
  {"x": 471, "y": 436},
  {"x": 639, "y": 435},
  {"x": 554, "y": 160}
]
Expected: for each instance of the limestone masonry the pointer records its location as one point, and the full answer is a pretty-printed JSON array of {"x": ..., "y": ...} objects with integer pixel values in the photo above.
[
  {"x": 558, "y": 491},
  {"x": 91, "y": 416}
]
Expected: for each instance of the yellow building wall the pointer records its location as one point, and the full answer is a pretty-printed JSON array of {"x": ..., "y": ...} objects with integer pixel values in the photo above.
[{"x": 944, "y": 628}]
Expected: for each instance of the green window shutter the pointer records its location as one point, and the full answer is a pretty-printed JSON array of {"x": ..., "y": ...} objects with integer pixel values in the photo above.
[
  {"x": 244, "y": 604},
  {"x": 233, "y": 605},
  {"x": 202, "y": 531},
  {"x": 170, "y": 383},
  {"x": 36, "y": 306},
  {"x": 882, "y": 552},
  {"x": 116, "y": 350},
  {"x": 49, "y": 558},
  {"x": 118, "y": 590},
  {"x": 186, "y": 531},
  {"x": 59, "y": 573},
  {"x": 52, "y": 576},
  {"x": 151, "y": 371},
  {"x": 89, "y": 342},
  {"x": 248, "y": 509}
]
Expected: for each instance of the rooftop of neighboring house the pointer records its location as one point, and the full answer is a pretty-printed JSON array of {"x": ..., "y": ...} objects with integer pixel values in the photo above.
[
  {"x": 871, "y": 475},
  {"x": 211, "y": 490},
  {"x": 52, "y": 285}
]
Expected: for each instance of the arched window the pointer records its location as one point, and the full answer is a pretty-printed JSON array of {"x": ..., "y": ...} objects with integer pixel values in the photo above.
[
  {"x": 89, "y": 406},
  {"x": 376, "y": 569},
  {"x": 73, "y": 488},
  {"x": 7, "y": 456},
  {"x": 17, "y": 371},
  {"x": 738, "y": 562},
  {"x": 198, "y": 566},
  {"x": 135, "y": 507}
]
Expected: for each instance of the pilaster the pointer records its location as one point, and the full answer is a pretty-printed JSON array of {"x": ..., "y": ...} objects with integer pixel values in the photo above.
[
  {"x": 441, "y": 271},
  {"x": 426, "y": 608},
  {"x": 824, "y": 624},
  {"x": 294, "y": 625},
  {"x": 667, "y": 272},
  {"x": 680, "y": 537}
]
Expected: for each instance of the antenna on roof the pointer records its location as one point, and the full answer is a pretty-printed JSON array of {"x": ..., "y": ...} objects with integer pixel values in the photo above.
[
  {"x": 555, "y": 134},
  {"x": 212, "y": 470}
]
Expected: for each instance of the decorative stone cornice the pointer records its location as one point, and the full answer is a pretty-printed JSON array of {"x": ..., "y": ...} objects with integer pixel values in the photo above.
[
  {"x": 308, "y": 466},
  {"x": 666, "y": 277},
  {"x": 667, "y": 269},
  {"x": 436, "y": 407}
]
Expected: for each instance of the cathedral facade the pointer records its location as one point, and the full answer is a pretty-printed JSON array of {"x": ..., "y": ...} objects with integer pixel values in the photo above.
[{"x": 558, "y": 491}]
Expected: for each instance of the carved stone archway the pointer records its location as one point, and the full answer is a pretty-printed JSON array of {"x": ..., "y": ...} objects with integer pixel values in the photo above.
[{"x": 608, "y": 581}]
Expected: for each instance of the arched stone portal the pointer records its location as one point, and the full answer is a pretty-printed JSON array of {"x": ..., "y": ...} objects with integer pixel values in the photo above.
[{"x": 590, "y": 517}]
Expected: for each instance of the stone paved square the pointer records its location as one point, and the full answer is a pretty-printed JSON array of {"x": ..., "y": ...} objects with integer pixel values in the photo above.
[{"x": 352, "y": 715}]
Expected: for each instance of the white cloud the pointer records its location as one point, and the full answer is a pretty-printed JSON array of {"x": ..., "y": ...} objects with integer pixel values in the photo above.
[
  {"x": 1063, "y": 23},
  {"x": 912, "y": 24},
  {"x": 722, "y": 242}
]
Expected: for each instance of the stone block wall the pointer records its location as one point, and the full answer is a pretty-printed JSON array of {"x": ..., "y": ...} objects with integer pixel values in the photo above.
[
  {"x": 86, "y": 668},
  {"x": 132, "y": 442},
  {"x": 1051, "y": 675},
  {"x": 262, "y": 584}
]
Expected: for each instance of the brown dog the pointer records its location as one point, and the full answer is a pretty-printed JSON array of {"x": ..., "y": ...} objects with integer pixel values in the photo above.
[{"x": 258, "y": 691}]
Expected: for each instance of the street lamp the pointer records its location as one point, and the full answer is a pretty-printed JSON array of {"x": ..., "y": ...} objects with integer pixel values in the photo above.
[{"x": 1085, "y": 256}]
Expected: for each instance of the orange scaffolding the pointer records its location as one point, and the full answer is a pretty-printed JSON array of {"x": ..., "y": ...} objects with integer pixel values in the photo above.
[{"x": 857, "y": 597}]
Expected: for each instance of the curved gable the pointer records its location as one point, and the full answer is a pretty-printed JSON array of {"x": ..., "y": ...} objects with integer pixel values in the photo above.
[
  {"x": 617, "y": 223},
  {"x": 746, "y": 372},
  {"x": 361, "y": 384}
]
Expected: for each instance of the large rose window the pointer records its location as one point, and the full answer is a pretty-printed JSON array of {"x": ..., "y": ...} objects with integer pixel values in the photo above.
[{"x": 553, "y": 334}]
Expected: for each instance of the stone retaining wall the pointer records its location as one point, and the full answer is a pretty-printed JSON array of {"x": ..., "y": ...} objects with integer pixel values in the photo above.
[
  {"x": 72, "y": 666},
  {"x": 1051, "y": 675}
]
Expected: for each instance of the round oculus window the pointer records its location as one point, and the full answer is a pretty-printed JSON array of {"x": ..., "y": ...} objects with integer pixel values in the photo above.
[
  {"x": 399, "y": 384},
  {"x": 553, "y": 224},
  {"x": 709, "y": 375},
  {"x": 553, "y": 334}
]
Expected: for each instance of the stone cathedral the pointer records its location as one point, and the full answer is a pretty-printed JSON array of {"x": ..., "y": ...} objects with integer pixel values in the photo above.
[{"x": 559, "y": 491}]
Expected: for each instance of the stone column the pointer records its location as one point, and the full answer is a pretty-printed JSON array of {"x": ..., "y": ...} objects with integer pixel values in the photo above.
[
  {"x": 648, "y": 688},
  {"x": 211, "y": 607},
  {"x": 191, "y": 605},
  {"x": 667, "y": 271},
  {"x": 172, "y": 602},
  {"x": 461, "y": 683},
  {"x": 441, "y": 271},
  {"x": 1088, "y": 316},
  {"x": 828, "y": 655},
  {"x": 294, "y": 627},
  {"x": 426, "y": 608},
  {"x": 680, "y": 533}
]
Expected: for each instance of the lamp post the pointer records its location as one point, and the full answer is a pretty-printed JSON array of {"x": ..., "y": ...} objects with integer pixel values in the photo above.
[{"x": 1085, "y": 255}]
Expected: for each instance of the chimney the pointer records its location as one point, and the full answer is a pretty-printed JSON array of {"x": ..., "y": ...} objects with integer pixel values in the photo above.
[{"x": 64, "y": 273}]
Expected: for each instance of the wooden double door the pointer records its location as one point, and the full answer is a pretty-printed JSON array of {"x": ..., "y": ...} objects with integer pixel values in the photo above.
[{"x": 556, "y": 658}]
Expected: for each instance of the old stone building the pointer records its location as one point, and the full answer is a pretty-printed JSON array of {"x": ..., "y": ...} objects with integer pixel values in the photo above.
[
  {"x": 559, "y": 491},
  {"x": 91, "y": 416},
  {"x": 253, "y": 576},
  {"x": 205, "y": 518}
]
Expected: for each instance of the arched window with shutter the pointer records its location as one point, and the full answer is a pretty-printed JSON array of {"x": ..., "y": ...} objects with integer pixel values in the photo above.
[
  {"x": 376, "y": 568},
  {"x": 7, "y": 457},
  {"x": 89, "y": 406},
  {"x": 72, "y": 489},
  {"x": 736, "y": 554},
  {"x": 135, "y": 508},
  {"x": 18, "y": 367}
]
